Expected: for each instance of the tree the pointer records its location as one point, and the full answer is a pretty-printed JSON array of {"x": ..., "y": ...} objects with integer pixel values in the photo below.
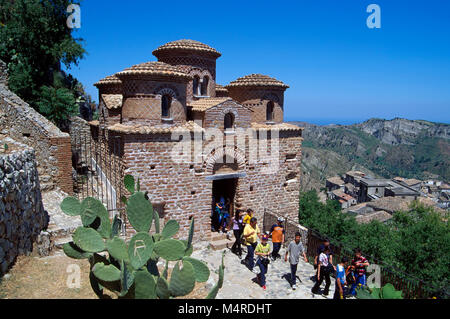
[
  {"x": 415, "y": 242},
  {"x": 34, "y": 41}
]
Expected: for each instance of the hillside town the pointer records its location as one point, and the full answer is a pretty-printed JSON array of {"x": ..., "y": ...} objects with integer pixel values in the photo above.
[{"x": 369, "y": 198}]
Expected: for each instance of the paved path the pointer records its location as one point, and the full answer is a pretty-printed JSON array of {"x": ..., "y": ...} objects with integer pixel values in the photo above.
[{"x": 239, "y": 284}]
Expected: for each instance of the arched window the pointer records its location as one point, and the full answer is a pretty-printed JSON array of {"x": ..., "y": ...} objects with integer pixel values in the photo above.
[
  {"x": 166, "y": 102},
  {"x": 229, "y": 121},
  {"x": 269, "y": 111},
  {"x": 205, "y": 83},
  {"x": 195, "y": 85}
]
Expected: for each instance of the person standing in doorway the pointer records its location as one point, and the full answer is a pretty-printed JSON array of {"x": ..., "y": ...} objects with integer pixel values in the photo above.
[
  {"x": 226, "y": 216},
  {"x": 216, "y": 217},
  {"x": 277, "y": 233},
  {"x": 251, "y": 234},
  {"x": 263, "y": 251},
  {"x": 294, "y": 250},
  {"x": 238, "y": 227}
]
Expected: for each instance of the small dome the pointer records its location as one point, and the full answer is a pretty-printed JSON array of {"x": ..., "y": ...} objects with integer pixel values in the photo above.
[
  {"x": 109, "y": 80},
  {"x": 186, "y": 45},
  {"x": 257, "y": 80},
  {"x": 154, "y": 68}
]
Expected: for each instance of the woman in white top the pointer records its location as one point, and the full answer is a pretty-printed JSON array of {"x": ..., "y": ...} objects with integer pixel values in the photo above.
[{"x": 325, "y": 268}]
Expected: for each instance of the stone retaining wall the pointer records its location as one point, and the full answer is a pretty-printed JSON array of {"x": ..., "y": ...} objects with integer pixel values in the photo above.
[
  {"x": 52, "y": 147},
  {"x": 3, "y": 73},
  {"x": 22, "y": 214}
]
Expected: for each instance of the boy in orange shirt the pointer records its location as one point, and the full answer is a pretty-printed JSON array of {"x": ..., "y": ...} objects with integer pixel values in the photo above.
[{"x": 277, "y": 233}]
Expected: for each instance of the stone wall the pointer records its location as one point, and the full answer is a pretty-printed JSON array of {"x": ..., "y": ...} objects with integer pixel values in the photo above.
[
  {"x": 3, "y": 73},
  {"x": 22, "y": 214},
  {"x": 52, "y": 147}
]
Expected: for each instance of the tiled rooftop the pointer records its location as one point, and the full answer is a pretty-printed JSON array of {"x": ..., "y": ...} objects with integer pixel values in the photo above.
[
  {"x": 186, "y": 45},
  {"x": 281, "y": 127},
  {"x": 257, "y": 80},
  {"x": 147, "y": 129},
  {"x": 154, "y": 68},
  {"x": 112, "y": 101},
  {"x": 204, "y": 104},
  {"x": 111, "y": 79},
  {"x": 336, "y": 180}
]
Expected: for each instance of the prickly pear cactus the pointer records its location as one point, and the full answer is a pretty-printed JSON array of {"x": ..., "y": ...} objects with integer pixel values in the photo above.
[{"x": 130, "y": 269}]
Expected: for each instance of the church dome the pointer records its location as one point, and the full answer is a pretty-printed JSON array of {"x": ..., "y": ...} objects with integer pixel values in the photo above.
[
  {"x": 256, "y": 80},
  {"x": 186, "y": 46}
]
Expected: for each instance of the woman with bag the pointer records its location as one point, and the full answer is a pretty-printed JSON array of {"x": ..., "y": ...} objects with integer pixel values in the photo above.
[
  {"x": 237, "y": 230},
  {"x": 324, "y": 269}
]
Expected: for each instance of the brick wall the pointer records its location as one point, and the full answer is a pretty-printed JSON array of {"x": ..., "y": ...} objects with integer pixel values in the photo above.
[
  {"x": 194, "y": 64},
  {"x": 184, "y": 190},
  {"x": 215, "y": 116},
  {"x": 142, "y": 101},
  {"x": 257, "y": 99}
]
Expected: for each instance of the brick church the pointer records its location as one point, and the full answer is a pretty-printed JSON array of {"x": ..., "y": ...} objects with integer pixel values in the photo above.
[{"x": 155, "y": 107}]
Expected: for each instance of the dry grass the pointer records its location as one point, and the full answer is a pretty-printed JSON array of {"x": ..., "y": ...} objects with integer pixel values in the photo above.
[{"x": 46, "y": 278}]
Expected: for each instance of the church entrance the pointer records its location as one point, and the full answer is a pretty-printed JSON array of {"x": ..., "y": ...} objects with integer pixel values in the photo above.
[{"x": 223, "y": 195}]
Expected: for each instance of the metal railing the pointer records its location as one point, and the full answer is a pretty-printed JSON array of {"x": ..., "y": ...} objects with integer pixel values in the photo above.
[
  {"x": 412, "y": 288},
  {"x": 99, "y": 171}
]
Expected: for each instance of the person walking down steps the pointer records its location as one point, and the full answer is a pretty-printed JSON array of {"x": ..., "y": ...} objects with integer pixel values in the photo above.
[
  {"x": 324, "y": 269},
  {"x": 294, "y": 250},
  {"x": 251, "y": 234},
  {"x": 277, "y": 232},
  {"x": 263, "y": 251},
  {"x": 238, "y": 227}
]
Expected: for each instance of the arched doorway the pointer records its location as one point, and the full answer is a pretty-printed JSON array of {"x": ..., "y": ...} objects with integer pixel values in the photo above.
[{"x": 225, "y": 166}]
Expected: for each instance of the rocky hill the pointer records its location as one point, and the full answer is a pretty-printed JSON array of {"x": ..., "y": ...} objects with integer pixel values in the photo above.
[{"x": 382, "y": 148}]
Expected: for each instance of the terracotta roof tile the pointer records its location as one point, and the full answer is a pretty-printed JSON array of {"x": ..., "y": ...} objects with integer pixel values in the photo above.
[
  {"x": 154, "y": 68},
  {"x": 207, "y": 103},
  {"x": 147, "y": 129},
  {"x": 220, "y": 88},
  {"x": 257, "y": 80},
  {"x": 186, "y": 45},
  {"x": 280, "y": 126},
  {"x": 112, "y": 101},
  {"x": 111, "y": 79}
]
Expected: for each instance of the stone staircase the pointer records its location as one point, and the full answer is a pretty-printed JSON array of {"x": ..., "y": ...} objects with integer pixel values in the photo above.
[
  {"x": 60, "y": 228},
  {"x": 220, "y": 241}
]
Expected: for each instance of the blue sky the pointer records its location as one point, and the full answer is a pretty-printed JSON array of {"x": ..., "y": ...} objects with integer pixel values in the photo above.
[{"x": 338, "y": 69}]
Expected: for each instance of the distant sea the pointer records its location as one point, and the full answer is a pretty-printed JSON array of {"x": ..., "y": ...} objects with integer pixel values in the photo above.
[{"x": 340, "y": 121}]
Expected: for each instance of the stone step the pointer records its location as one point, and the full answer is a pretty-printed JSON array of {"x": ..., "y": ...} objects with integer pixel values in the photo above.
[
  {"x": 218, "y": 236},
  {"x": 60, "y": 242},
  {"x": 58, "y": 232},
  {"x": 221, "y": 244}
]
